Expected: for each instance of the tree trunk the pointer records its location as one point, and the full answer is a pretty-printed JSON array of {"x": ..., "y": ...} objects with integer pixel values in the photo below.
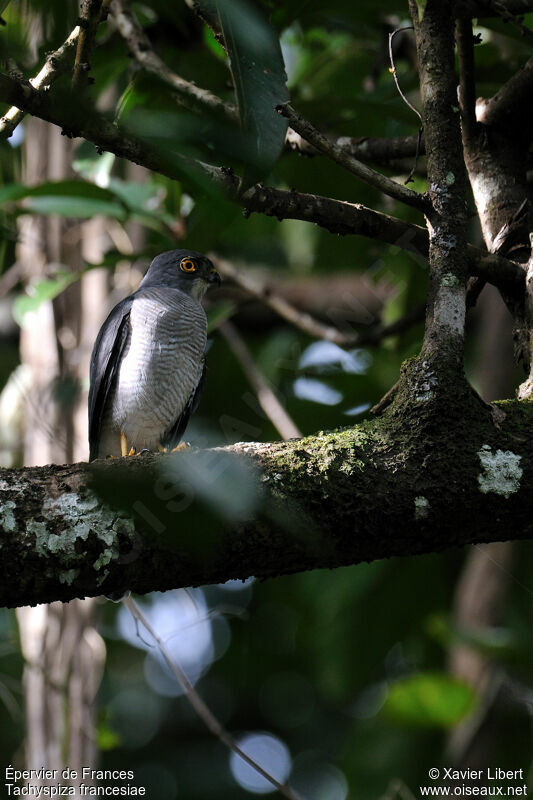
[{"x": 64, "y": 655}]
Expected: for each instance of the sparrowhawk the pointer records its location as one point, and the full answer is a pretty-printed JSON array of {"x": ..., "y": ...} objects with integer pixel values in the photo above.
[{"x": 147, "y": 364}]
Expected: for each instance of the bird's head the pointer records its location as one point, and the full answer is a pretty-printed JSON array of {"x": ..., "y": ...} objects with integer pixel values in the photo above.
[{"x": 187, "y": 270}]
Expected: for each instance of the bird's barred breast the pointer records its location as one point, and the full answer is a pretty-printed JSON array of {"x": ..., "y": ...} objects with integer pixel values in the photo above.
[{"x": 162, "y": 364}]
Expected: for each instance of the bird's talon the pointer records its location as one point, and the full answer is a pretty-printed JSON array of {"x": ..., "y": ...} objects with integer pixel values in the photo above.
[{"x": 180, "y": 446}]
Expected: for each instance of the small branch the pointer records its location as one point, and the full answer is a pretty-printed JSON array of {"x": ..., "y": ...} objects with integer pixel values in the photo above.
[
  {"x": 381, "y": 150},
  {"x": 392, "y": 34},
  {"x": 305, "y": 321},
  {"x": 188, "y": 94},
  {"x": 201, "y": 708},
  {"x": 467, "y": 81},
  {"x": 351, "y": 164},
  {"x": 386, "y": 400},
  {"x": 56, "y": 64},
  {"x": 503, "y": 10},
  {"x": 509, "y": 109},
  {"x": 300, "y": 319},
  {"x": 267, "y": 398},
  {"x": 206, "y": 10},
  {"x": 336, "y": 216},
  {"x": 89, "y": 19},
  {"x": 490, "y": 8}
]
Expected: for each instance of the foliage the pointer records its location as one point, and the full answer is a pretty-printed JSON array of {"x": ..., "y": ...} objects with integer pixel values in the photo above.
[{"x": 347, "y": 668}]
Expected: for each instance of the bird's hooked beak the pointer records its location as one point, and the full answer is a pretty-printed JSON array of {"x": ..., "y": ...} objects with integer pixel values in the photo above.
[{"x": 214, "y": 278}]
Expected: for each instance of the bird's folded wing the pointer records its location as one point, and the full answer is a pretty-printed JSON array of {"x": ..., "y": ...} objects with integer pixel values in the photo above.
[
  {"x": 105, "y": 361},
  {"x": 172, "y": 436}
]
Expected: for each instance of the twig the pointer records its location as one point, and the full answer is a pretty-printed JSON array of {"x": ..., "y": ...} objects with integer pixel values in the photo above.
[
  {"x": 351, "y": 164},
  {"x": 386, "y": 400},
  {"x": 467, "y": 82},
  {"x": 392, "y": 34},
  {"x": 307, "y": 323},
  {"x": 265, "y": 394},
  {"x": 380, "y": 149},
  {"x": 300, "y": 319},
  {"x": 509, "y": 109},
  {"x": 203, "y": 711},
  {"x": 89, "y": 19},
  {"x": 187, "y": 93},
  {"x": 55, "y": 65},
  {"x": 500, "y": 10}
]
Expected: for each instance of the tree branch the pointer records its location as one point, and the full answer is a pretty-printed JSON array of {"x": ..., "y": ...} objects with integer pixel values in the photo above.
[
  {"x": 381, "y": 150},
  {"x": 509, "y": 109},
  {"x": 467, "y": 82},
  {"x": 205, "y": 516},
  {"x": 335, "y": 216},
  {"x": 188, "y": 94},
  {"x": 266, "y": 396},
  {"x": 351, "y": 164},
  {"x": 89, "y": 19},
  {"x": 434, "y": 31},
  {"x": 305, "y": 321},
  {"x": 492, "y": 8},
  {"x": 56, "y": 63}
]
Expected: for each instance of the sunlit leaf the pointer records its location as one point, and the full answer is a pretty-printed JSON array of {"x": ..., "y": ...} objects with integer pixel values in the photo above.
[{"x": 429, "y": 699}]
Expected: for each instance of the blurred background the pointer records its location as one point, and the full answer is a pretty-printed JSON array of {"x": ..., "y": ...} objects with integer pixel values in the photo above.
[{"x": 352, "y": 682}]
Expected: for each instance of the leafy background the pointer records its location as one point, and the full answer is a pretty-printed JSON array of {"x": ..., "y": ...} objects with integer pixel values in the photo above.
[{"x": 347, "y": 669}]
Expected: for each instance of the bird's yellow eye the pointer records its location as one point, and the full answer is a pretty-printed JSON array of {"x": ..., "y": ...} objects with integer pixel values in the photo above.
[{"x": 187, "y": 265}]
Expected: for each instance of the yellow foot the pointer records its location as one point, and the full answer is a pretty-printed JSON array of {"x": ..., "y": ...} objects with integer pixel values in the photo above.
[
  {"x": 124, "y": 449},
  {"x": 180, "y": 446}
]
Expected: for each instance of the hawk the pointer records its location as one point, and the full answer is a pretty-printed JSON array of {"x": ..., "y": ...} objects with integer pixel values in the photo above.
[{"x": 148, "y": 361}]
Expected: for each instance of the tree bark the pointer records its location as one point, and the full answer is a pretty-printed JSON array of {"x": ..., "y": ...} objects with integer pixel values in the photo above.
[{"x": 437, "y": 470}]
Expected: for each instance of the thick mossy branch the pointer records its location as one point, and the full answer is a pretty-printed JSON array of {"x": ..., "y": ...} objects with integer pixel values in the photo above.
[{"x": 435, "y": 471}]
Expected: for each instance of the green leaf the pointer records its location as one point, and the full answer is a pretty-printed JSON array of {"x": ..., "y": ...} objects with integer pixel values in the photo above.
[
  {"x": 11, "y": 192},
  {"x": 41, "y": 292},
  {"x": 81, "y": 208},
  {"x": 65, "y": 198},
  {"x": 260, "y": 81},
  {"x": 429, "y": 699}
]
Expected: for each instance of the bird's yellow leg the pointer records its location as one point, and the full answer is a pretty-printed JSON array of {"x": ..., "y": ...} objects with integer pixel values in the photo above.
[
  {"x": 123, "y": 445},
  {"x": 180, "y": 446}
]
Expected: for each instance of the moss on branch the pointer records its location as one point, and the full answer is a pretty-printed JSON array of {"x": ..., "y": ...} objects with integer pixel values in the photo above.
[{"x": 439, "y": 469}]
